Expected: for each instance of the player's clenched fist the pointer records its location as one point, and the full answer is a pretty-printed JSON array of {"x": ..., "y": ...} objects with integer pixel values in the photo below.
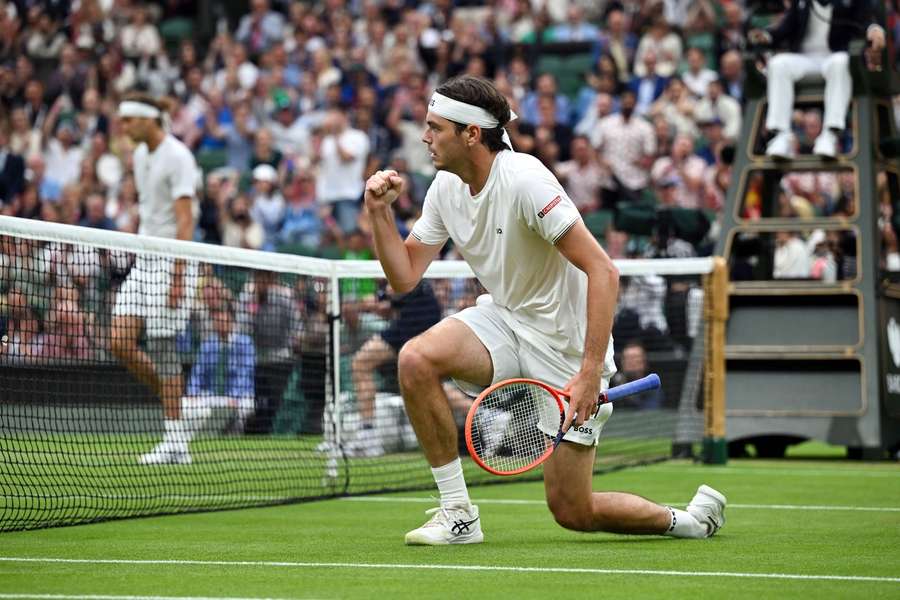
[{"x": 382, "y": 189}]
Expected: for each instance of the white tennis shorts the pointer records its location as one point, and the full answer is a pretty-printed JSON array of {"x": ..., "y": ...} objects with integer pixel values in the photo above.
[
  {"x": 145, "y": 294},
  {"x": 513, "y": 356}
]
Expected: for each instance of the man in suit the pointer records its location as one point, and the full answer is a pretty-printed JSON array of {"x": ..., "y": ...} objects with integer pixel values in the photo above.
[
  {"x": 817, "y": 34},
  {"x": 12, "y": 171}
]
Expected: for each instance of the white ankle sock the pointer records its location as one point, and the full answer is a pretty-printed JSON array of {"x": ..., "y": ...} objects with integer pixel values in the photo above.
[
  {"x": 451, "y": 484},
  {"x": 684, "y": 525},
  {"x": 177, "y": 435}
]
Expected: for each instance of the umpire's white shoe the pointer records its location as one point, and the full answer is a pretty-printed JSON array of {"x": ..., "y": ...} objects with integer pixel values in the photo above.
[
  {"x": 826, "y": 144},
  {"x": 781, "y": 147},
  {"x": 708, "y": 507},
  {"x": 164, "y": 454},
  {"x": 453, "y": 524}
]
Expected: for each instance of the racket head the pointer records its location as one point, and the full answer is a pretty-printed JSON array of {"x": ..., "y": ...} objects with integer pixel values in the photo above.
[{"x": 507, "y": 426}]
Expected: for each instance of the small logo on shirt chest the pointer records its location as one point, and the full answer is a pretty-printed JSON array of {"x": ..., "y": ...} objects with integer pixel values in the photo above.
[{"x": 499, "y": 231}]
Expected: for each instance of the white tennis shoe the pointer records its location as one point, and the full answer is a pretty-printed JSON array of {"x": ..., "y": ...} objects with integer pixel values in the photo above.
[
  {"x": 165, "y": 454},
  {"x": 454, "y": 524},
  {"x": 708, "y": 507}
]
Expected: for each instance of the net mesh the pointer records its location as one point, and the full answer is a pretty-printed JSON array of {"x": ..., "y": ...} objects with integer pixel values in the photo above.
[
  {"x": 513, "y": 426},
  {"x": 142, "y": 376}
]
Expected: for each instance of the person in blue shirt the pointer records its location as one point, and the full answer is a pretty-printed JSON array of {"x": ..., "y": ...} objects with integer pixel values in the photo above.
[{"x": 223, "y": 374}]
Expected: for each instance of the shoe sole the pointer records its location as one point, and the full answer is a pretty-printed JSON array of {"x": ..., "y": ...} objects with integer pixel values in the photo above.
[{"x": 412, "y": 540}]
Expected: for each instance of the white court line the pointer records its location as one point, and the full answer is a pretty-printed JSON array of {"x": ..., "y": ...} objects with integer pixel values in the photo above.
[
  {"x": 542, "y": 503},
  {"x": 426, "y": 567},
  {"x": 28, "y": 596},
  {"x": 892, "y": 473}
]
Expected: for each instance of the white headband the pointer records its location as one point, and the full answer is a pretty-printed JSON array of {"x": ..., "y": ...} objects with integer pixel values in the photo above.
[
  {"x": 461, "y": 112},
  {"x": 130, "y": 108},
  {"x": 467, "y": 114}
]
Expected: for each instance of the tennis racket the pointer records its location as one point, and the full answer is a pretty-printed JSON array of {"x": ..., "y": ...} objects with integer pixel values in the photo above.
[{"x": 515, "y": 425}]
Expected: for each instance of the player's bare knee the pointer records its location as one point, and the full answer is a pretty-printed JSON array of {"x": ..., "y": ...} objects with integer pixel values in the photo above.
[
  {"x": 121, "y": 344},
  {"x": 569, "y": 514},
  {"x": 413, "y": 365}
]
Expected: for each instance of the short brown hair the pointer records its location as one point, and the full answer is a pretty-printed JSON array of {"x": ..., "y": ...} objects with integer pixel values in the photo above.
[{"x": 482, "y": 93}]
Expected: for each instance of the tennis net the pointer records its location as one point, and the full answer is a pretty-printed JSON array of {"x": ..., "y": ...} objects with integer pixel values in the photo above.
[{"x": 259, "y": 378}]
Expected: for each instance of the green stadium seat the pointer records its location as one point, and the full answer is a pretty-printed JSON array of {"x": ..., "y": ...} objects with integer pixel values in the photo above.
[
  {"x": 598, "y": 223},
  {"x": 569, "y": 70},
  {"x": 174, "y": 30},
  {"x": 210, "y": 160}
]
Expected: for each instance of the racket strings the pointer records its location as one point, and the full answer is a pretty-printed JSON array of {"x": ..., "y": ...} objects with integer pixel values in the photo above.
[{"x": 513, "y": 425}]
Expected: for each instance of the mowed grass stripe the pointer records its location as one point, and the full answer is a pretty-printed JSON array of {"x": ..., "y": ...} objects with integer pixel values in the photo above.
[
  {"x": 28, "y": 596},
  {"x": 486, "y": 568},
  {"x": 513, "y": 501}
]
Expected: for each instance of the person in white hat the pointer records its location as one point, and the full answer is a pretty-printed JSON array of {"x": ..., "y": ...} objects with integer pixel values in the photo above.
[{"x": 268, "y": 203}]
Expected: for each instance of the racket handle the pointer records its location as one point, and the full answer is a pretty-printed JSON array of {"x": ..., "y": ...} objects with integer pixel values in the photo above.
[{"x": 650, "y": 382}]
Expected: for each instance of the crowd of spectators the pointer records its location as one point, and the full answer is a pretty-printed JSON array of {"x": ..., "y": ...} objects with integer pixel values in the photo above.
[{"x": 289, "y": 106}]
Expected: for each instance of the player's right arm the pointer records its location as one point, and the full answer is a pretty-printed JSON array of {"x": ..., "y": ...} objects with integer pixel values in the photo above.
[{"x": 404, "y": 262}]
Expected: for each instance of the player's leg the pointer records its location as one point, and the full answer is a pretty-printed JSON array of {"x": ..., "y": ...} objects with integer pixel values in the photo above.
[
  {"x": 568, "y": 480},
  {"x": 783, "y": 70},
  {"x": 449, "y": 349},
  {"x": 568, "y": 473},
  {"x": 124, "y": 333},
  {"x": 178, "y": 429},
  {"x": 838, "y": 92},
  {"x": 374, "y": 353}
]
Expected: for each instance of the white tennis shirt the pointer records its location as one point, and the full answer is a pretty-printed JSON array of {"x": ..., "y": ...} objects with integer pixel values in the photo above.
[
  {"x": 163, "y": 176},
  {"x": 507, "y": 234}
]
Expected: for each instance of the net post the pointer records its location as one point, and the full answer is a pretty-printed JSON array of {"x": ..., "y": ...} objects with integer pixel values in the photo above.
[{"x": 715, "y": 448}]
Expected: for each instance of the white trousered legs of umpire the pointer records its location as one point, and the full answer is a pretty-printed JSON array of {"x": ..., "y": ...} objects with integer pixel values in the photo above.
[{"x": 783, "y": 71}]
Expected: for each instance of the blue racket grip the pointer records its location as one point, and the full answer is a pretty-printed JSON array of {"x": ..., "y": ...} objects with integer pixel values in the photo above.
[{"x": 650, "y": 382}]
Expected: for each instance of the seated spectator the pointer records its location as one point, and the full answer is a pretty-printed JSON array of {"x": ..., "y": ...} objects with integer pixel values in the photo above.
[
  {"x": 267, "y": 312},
  {"x": 342, "y": 157},
  {"x": 63, "y": 156},
  {"x": 239, "y": 230},
  {"x": 627, "y": 144},
  {"x": 95, "y": 213},
  {"x": 545, "y": 86},
  {"x": 223, "y": 373},
  {"x": 676, "y": 105},
  {"x": 697, "y": 76},
  {"x": 575, "y": 28},
  {"x": 264, "y": 150},
  {"x": 411, "y": 314},
  {"x": 261, "y": 29},
  {"x": 716, "y": 104},
  {"x": 633, "y": 366},
  {"x": 582, "y": 177},
  {"x": 665, "y": 45},
  {"x": 290, "y": 133},
  {"x": 619, "y": 41},
  {"x": 731, "y": 72},
  {"x": 302, "y": 223},
  {"x": 140, "y": 37},
  {"x": 22, "y": 329},
  {"x": 12, "y": 171},
  {"x": 793, "y": 258},
  {"x": 648, "y": 87},
  {"x": 268, "y": 204},
  {"x": 687, "y": 169}
]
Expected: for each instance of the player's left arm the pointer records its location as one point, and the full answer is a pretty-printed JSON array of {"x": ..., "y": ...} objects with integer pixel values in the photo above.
[
  {"x": 184, "y": 185},
  {"x": 582, "y": 250}
]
